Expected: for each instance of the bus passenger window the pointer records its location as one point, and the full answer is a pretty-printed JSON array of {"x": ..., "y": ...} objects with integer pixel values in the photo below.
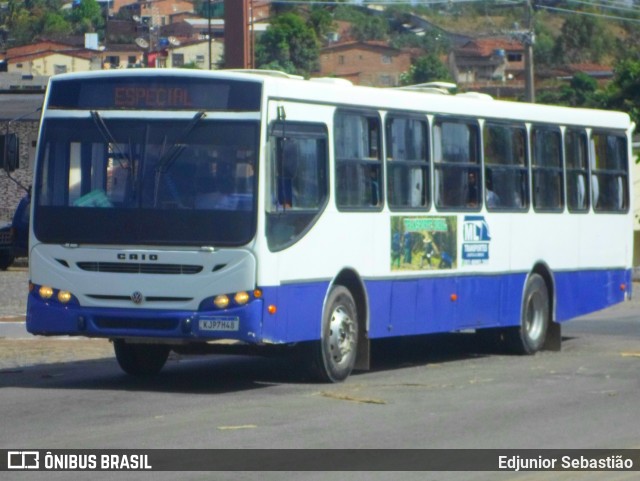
[
  {"x": 609, "y": 172},
  {"x": 358, "y": 160},
  {"x": 548, "y": 181},
  {"x": 407, "y": 162},
  {"x": 576, "y": 155},
  {"x": 457, "y": 164},
  {"x": 297, "y": 186},
  {"x": 505, "y": 166}
]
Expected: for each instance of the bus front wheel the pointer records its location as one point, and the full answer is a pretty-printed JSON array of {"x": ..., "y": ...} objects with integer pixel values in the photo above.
[
  {"x": 140, "y": 360},
  {"x": 529, "y": 337},
  {"x": 335, "y": 354}
]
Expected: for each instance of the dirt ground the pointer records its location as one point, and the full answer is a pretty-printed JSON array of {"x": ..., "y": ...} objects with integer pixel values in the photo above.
[{"x": 16, "y": 353}]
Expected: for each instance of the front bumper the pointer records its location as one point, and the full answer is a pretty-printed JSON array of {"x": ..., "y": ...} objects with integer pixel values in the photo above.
[{"x": 52, "y": 318}]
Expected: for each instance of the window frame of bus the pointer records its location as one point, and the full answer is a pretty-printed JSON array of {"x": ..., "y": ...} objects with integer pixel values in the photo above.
[
  {"x": 572, "y": 169},
  {"x": 375, "y": 162},
  {"x": 303, "y": 219},
  {"x": 474, "y": 125},
  {"x": 594, "y": 172},
  {"x": 404, "y": 164},
  {"x": 546, "y": 168},
  {"x": 506, "y": 167}
]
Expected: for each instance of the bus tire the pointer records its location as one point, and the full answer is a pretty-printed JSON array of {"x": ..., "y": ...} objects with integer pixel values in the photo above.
[
  {"x": 5, "y": 261},
  {"x": 335, "y": 353},
  {"x": 140, "y": 360},
  {"x": 529, "y": 337}
]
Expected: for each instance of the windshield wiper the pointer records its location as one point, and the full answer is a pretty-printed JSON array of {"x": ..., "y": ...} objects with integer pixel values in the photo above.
[
  {"x": 109, "y": 138},
  {"x": 167, "y": 159},
  {"x": 164, "y": 163}
]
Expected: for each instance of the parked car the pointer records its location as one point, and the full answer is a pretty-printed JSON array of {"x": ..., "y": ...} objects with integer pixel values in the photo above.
[{"x": 14, "y": 236}]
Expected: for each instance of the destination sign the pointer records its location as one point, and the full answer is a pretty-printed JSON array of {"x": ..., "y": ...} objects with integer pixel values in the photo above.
[
  {"x": 154, "y": 93},
  {"x": 152, "y": 97}
]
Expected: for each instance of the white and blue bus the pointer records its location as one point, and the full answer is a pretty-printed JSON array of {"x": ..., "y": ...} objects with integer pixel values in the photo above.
[{"x": 184, "y": 210}]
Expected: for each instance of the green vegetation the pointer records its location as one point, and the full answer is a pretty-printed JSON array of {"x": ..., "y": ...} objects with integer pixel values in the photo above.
[{"x": 26, "y": 20}]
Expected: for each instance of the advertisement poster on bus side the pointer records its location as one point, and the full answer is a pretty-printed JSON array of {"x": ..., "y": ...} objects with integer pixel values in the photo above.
[
  {"x": 476, "y": 240},
  {"x": 423, "y": 243}
]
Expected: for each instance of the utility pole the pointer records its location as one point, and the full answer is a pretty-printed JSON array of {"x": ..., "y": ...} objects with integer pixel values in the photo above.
[
  {"x": 529, "y": 38},
  {"x": 209, "y": 30}
]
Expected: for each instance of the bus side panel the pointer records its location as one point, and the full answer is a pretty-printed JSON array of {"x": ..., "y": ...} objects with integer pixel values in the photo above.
[
  {"x": 581, "y": 292},
  {"x": 299, "y": 312},
  {"x": 479, "y": 299},
  {"x": 443, "y": 304}
]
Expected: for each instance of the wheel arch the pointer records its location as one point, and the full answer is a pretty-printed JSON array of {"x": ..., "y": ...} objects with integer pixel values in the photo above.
[{"x": 349, "y": 278}]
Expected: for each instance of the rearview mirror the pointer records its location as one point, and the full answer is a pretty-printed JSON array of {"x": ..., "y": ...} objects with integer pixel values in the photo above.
[{"x": 9, "y": 152}]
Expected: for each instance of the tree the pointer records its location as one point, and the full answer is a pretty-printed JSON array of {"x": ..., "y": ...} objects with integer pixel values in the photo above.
[
  {"x": 87, "y": 16},
  {"x": 623, "y": 93},
  {"x": 288, "y": 45},
  {"x": 370, "y": 28},
  {"x": 426, "y": 69},
  {"x": 54, "y": 25},
  {"x": 583, "y": 39},
  {"x": 581, "y": 92},
  {"x": 322, "y": 21}
]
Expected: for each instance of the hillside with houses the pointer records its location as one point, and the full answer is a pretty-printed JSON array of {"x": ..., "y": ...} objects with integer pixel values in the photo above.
[{"x": 478, "y": 45}]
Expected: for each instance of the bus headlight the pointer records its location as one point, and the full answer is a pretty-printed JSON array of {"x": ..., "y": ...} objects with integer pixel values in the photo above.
[
  {"x": 45, "y": 292},
  {"x": 241, "y": 298},
  {"x": 221, "y": 301},
  {"x": 64, "y": 297}
]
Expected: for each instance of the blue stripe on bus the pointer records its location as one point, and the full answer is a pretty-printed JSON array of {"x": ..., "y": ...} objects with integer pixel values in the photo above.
[{"x": 397, "y": 307}]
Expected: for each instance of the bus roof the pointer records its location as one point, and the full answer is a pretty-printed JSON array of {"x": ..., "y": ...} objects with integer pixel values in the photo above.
[{"x": 280, "y": 86}]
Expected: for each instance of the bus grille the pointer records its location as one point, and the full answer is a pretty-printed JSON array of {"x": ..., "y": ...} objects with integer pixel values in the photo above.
[
  {"x": 139, "y": 268},
  {"x": 137, "y": 324},
  {"x": 107, "y": 297}
]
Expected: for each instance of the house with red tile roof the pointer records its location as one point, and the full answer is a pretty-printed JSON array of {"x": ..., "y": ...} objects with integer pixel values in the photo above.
[
  {"x": 372, "y": 63},
  {"x": 48, "y": 58},
  {"x": 487, "y": 59}
]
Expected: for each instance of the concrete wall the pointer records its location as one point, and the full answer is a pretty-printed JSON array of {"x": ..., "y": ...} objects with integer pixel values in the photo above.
[{"x": 10, "y": 193}]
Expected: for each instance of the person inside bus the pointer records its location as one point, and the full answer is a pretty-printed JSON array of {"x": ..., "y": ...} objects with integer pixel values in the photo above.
[
  {"x": 220, "y": 187},
  {"x": 472, "y": 189},
  {"x": 374, "y": 184},
  {"x": 492, "y": 199}
]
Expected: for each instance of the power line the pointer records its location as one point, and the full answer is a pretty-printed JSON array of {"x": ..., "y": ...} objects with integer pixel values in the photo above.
[
  {"x": 625, "y": 8},
  {"x": 580, "y": 12}
]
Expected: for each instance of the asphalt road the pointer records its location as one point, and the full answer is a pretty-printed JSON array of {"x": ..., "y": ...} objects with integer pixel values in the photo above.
[{"x": 437, "y": 392}]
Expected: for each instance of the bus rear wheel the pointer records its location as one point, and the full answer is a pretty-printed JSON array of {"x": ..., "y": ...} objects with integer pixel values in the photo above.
[
  {"x": 335, "y": 353},
  {"x": 140, "y": 360},
  {"x": 529, "y": 337}
]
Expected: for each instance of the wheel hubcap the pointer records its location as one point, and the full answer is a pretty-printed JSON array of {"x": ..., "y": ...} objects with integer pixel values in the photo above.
[
  {"x": 342, "y": 335},
  {"x": 535, "y": 317}
]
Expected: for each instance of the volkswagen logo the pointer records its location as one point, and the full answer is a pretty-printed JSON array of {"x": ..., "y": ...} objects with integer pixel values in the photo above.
[{"x": 137, "y": 297}]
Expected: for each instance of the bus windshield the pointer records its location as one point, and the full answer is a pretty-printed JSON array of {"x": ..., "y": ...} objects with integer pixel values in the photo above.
[{"x": 139, "y": 181}]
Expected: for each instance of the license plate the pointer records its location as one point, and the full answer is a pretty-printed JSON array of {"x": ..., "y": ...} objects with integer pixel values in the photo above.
[{"x": 220, "y": 324}]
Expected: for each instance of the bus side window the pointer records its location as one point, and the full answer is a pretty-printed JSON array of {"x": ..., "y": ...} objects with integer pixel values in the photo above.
[
  {"x": 358, "y": 160},
  {"x": 407, "y": 162},
  {"x": 298, "y": 182},
  {"x": 576, "y": 155},
  {"x": 457, "y": 164},
  {"x": 505, "y": 160},
  {"x": 609, "y": 172},
  {"x": 546, "y": 166}
]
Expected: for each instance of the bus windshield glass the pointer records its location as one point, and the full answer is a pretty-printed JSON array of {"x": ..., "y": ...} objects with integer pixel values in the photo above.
[{"x": 133, "y": 181}]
